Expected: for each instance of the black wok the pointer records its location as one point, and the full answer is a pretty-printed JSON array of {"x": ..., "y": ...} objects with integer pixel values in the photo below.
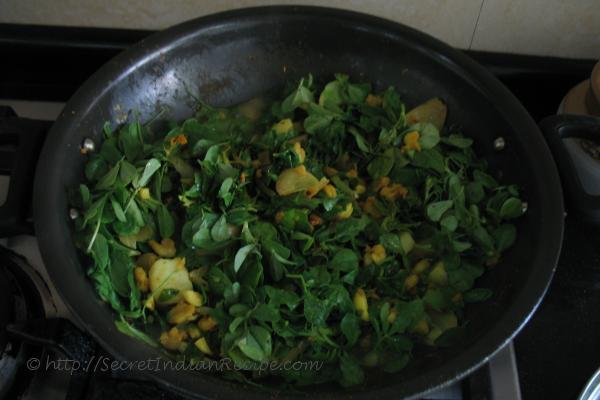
[{"x": 231, "y": 57}]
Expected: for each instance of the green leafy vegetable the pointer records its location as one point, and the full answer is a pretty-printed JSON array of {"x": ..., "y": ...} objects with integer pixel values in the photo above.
[
  {"x": 437, "y": 209},
  {"x": 328, "y": 226},
  {"x": 151, "y": 167}
]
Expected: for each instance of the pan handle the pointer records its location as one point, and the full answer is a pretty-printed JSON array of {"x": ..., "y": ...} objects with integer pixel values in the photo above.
[
  {"x": 556, "y": 128},
  {"x": 74, "y": 350},
  {"x": 21, "y": 141},
  {"x": 56, "y": 334}
]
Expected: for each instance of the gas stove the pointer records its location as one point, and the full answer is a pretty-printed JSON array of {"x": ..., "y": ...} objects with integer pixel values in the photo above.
[{"x": 552, "y": 357}]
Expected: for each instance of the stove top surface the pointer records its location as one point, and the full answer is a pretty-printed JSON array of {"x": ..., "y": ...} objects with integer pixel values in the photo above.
[{"x": 557, "y": 351}]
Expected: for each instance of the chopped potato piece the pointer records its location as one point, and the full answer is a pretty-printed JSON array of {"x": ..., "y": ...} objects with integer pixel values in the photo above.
[
  {"x": 378, "y": 254},
  {"x": 169, "y": 275},
  {"x": 166, "y": 247},
  {"x": 421, "y": 266},
  {"x": 433, "y": 111},
  {"x": 374, "y": 255},
  {"x": 347, "y": 213},
  {"x": 284, "y": 126},
  {"x": 193, "y": 332},
  {"x": 411, "y": 141},
  {"x": 202, "y": 345},
  {"x": 421, "y": 328},
  {"x": 432, "y": 336},
  {"x": 207, "y": 324},
  {"x": 182, "y": 312},
  {"x": 369, "y": 206},
  {"x": 192, "y": 297},
  {"x": 381, "y": 183},
  {"x": 300, "y": 151},
  {"x": 128, "y": 241},
  {"x": 144, "y": 193},
  {"x": 443, "y": 320},
  {"x": 374, "y": 100},
  {"x": 411, "y": 281},
  {"x": 143, "y": 235},
  {"x": 330, "y": 191},
  {"x": 353, "y": 173},
  {"x": 393, "y": 192},
  {"x": 173, "y": 339},
  {"x": 141, "y": 279},
  {"x": 313, "y": 190},
  {"x": 294, "y": 180},
  {"x": 149, "y": 304},
  {"x": 360, "y": 304},
  {"x": 438, "y": 274}
]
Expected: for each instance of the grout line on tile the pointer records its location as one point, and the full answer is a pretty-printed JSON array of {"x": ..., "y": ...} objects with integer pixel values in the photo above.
[{"x": 476, "y": 23}]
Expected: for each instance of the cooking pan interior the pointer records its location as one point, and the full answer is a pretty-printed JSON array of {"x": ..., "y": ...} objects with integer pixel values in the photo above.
[{"x": 230, "y": 58}]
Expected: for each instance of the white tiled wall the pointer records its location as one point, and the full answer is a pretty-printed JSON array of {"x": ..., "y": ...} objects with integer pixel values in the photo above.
[{"x": 569, "y": 28}]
